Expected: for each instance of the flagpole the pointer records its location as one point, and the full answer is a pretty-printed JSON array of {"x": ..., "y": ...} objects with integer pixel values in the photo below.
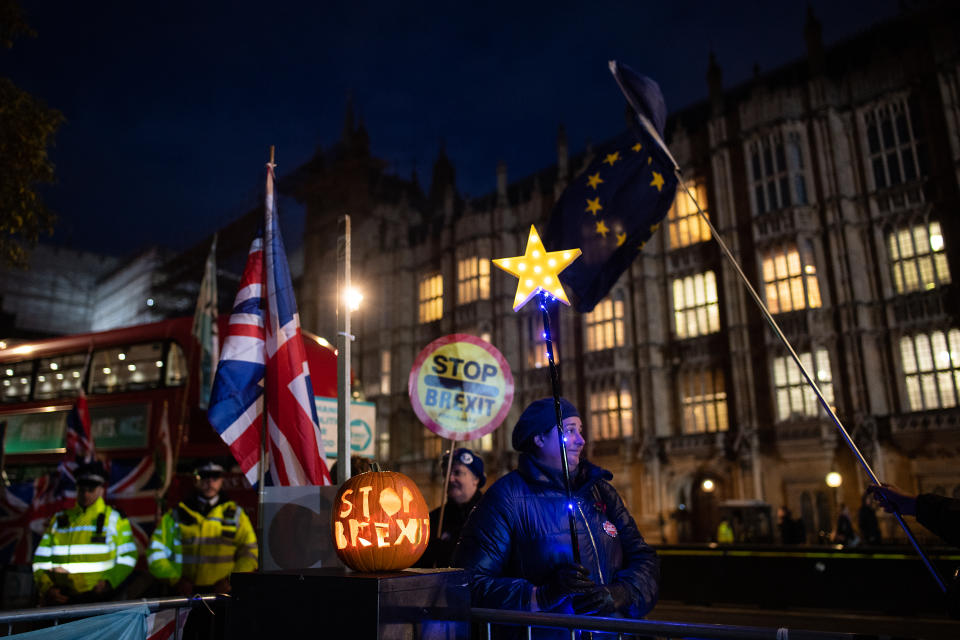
[
  {"x": 810, "y": 381},
  {"x": 555, "y": 386},
  {"x": 261, "y": 467}
]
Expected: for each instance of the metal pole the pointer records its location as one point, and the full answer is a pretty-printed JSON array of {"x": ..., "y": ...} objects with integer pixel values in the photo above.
[
  {"x": 344, "y": 338},
  {"x": 555, "y": 386},
  {"x": 443, "y": 497},
  {"x": 810, "y": 381},
  {"x": 262, "y": 465}
]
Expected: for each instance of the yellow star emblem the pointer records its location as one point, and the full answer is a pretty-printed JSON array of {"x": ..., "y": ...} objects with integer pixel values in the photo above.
[
  {"x": 637, "y": 147},
  {"x": 649, "y": 159},
  {"x": 538, "y": 269},
  {"x": 657, "y": 181},
  {"x": 621, "y": 238},
  {"x": 594, "y": 205},
  {"x": 612, "y": 158},
  {"x": 602, "y": 229},
  {"x": 595, "y": 179}
]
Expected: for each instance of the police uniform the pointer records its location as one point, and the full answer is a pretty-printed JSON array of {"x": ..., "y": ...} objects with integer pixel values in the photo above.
[
  {"x": 165, "y": 556},
  {"x": 203, "y": 541},
  {"x": 81, "y": 547}
]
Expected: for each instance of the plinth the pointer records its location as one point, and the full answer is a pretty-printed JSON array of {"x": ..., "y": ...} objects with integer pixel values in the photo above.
[{"x": 313, "y": 603}]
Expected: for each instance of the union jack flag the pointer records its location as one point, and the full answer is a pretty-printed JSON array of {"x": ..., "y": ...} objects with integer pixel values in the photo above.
[
  {"x": 134, "y": 485},
  {"x": 79, "y": 443},
  {"x": 264, "y": 351},
  {"x": 26, "y": 507}
]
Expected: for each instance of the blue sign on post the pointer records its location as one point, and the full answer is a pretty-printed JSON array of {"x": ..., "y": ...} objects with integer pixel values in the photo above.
[{"x": 362, "y": 427}]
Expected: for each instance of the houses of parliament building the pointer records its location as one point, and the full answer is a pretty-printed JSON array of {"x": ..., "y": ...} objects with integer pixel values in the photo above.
[{"x": 833, "y": 180}]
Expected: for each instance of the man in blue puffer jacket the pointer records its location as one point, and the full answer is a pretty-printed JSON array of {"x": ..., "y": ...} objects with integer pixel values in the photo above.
[{"x": 516, "y": 544}]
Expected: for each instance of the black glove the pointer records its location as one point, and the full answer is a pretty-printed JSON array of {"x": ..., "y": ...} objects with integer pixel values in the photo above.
[
  {"x": 602, "y": 600},
  {"x": 566, "y": 580}
]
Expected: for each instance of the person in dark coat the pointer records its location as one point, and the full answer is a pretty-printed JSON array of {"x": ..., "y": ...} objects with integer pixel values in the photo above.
[
  {"x": 791, "y": 529},
  {"x": 463, "y": 494},
  {"x": 844, "y": 533},
  {"x": 867, "y": 520},
  {"x": 939, "y": 514},
  {"x": 516, "y": 544}
]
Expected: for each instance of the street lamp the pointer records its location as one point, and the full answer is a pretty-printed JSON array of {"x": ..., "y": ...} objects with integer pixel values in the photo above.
[
  {"x": 708, "y": 485},
  {"x": 353, "y": 298},
  {"x": 834, "y": 479}
]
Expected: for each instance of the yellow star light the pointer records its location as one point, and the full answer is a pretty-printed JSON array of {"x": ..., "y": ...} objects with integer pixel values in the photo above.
[
  {"x": 538, "y": 269},
  {"x": 612, "y": 158},
  {"x": 657, "y": 181},
  {"x": 621, "y": 238},
  {"x": 595, "y": 179},
  {"x": 637, "y": 147},
  {"x": 602, "y": 229},
  {"x": 594, "y": 205}
]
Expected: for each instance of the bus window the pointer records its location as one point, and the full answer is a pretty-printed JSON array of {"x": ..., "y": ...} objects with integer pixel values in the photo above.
[
  {"x": 176, "y": 366},
  {"x": 59, "y": 377},
  {"x": 129, "y": 368},
  {"x": 16, "y": 381}
]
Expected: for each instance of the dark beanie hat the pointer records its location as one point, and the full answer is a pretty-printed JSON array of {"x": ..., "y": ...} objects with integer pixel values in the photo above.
[
  {"x": 539, "y": 416},
  {"x": 470, "y": 460}
]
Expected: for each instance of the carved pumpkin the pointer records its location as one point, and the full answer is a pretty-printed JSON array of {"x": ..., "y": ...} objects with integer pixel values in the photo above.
[{"x": 380, "y": 522}]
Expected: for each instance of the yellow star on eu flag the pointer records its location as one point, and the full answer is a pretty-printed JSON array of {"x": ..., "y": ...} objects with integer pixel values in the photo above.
[
  {"x": 538, "y": 269},
  {"x": 593, "y": 205},
  {"x": 594, "y": 180},
  {"x": 657, "y": 181},
  {"x": 612, "y": 158},
  {"x": 602, "y": 229}
]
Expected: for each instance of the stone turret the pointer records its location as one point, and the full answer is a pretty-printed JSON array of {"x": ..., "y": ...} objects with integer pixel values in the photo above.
[
  {"x": 715, "y": 85},
  {"x": 813, "y": 34},
  {"x": 443, "y": 184}
]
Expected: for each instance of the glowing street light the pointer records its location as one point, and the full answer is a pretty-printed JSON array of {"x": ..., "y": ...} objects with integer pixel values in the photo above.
[
  {"x": 353, "y": 297},
  {"x": 708, "y": 485},
  {"x": 834, "y": 479}
]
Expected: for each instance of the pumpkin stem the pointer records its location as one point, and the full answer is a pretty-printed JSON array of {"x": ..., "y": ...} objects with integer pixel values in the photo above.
[{"x": 375, "y": 466}]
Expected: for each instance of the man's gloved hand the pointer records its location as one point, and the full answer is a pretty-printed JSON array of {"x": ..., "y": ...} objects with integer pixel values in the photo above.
[
  {"x": 567, "y": 580},
  {"x": 602, "y": 600}
]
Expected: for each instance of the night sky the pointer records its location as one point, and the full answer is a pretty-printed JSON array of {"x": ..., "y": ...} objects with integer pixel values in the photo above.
[{"x": 171, "y": 106}]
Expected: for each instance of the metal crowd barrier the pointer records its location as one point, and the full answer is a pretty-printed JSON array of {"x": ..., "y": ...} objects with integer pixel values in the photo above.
[
  {"x": 72, "y": 612},
  {"x": 578, "y": 625}
]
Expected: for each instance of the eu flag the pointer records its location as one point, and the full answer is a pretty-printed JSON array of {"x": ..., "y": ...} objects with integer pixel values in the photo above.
[{"x": 613, "y": 207}]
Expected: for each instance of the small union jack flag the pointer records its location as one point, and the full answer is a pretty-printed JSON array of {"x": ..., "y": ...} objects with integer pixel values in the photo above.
[{"x": 264, "y": 351}]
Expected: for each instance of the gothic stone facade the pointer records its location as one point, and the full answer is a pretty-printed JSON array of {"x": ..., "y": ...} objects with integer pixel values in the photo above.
[{"x": 834, "y": 182}]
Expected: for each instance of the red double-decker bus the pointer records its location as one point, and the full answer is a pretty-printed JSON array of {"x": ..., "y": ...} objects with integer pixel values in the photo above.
[{"x": 140, "y": 381}]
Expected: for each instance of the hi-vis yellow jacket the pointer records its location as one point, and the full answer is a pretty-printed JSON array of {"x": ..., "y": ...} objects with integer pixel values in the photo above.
[
  {"x": 213, "y": 546},
  {"x": 90, "y": 545},
  {"x": 165, "y": 555}
]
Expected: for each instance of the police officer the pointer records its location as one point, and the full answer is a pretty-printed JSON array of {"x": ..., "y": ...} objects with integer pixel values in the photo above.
[
  {"x": 206, "y": 538},
  {"x": 87, "y": 551},
  {"x": 463, "y": 494}
]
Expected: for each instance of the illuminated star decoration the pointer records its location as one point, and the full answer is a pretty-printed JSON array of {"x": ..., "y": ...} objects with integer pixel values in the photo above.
[{"x": 538, "y": 269}]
